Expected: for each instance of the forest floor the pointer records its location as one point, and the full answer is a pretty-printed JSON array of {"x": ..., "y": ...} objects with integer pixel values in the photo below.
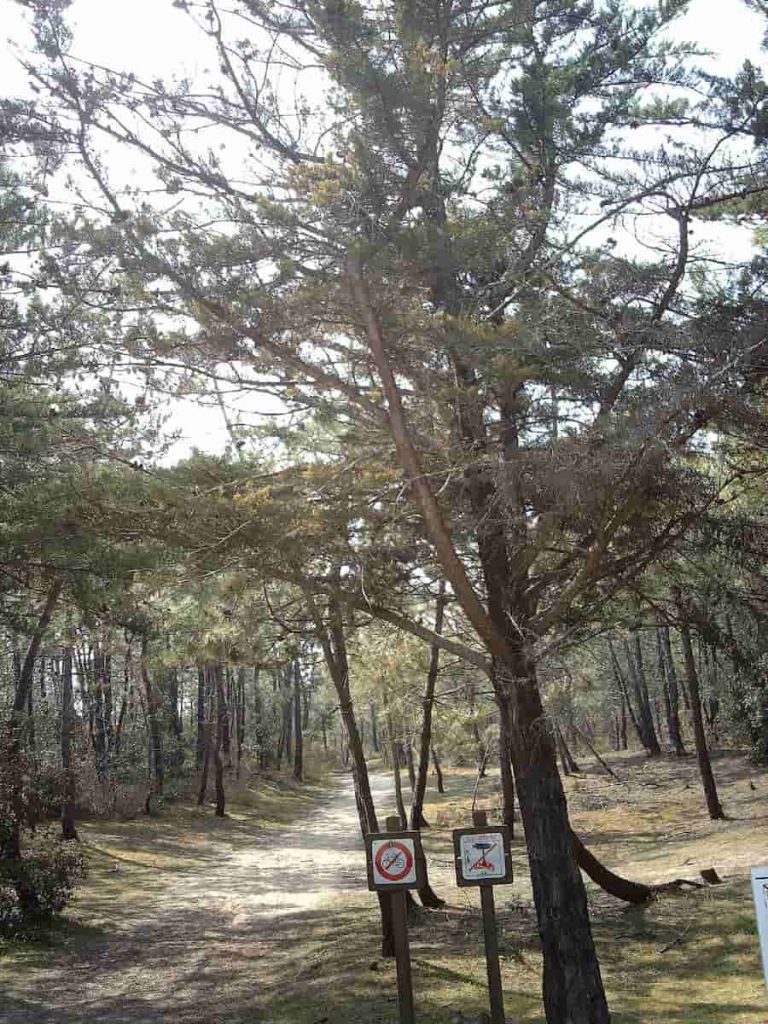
[{"x": 264, "y": 917}]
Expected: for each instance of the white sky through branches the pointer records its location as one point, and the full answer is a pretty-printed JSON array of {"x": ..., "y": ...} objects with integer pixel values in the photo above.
[{"x": 154, "y": 39}]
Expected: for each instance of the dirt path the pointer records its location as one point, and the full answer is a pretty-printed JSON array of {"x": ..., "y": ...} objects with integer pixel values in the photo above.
[{"x": 208, "y": 944}]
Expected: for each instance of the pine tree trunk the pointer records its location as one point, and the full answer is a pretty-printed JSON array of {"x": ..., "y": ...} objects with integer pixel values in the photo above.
[
  {"x": 200, "y": 742},
  {"x": 157, "y": 782},
  {"x": 427, "y": 708},
  {"x": 673, "y": 691},
  {"x": 505, "y": 766},
  {"x": 572, "y": 985},
  {"x": 702, "y": 752},
  {"x": 298, "y": 747},
  {"x": 68, "y": 829},
  {"x": 438, "y": 772}
]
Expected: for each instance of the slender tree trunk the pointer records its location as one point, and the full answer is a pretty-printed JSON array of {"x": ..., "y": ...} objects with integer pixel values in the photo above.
[
  {"x": 702, "y": 752},
  {"x": 673, "y": 692},
  {"x": 427, "y": 709},
  {"x": 624, "y": 690},
  {"x": 201, "y": 694},
  {"x": 438, "y": 772},
  {"x": 68, "y": 829},
  {"x": 240, "y": 717},
  {"x": 623, "y": 724},
  {"x": 333, "y": 642},
  {"x": 646, "y": 729},
  {"x": 222, "y": 720},
  {"x": 222, "y": 728},
  {"x": 157, "y": 782},
  {"x": 374, "y": 726},
  {"x": 298, "y": 746},
  {"x": 10, "y": 845}
]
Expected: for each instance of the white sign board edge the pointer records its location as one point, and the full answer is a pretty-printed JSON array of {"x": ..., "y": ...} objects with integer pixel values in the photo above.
[
  {"x": 760, "y": 896},
  {"x": 409, "y": 877},
  {"x": 494, "y": 856}
]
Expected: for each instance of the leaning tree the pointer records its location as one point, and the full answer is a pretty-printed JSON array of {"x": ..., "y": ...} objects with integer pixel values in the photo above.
[{"x": 412, "y": 219}]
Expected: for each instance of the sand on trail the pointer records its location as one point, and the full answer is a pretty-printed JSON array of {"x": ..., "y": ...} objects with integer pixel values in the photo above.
[{"x": 207, "y": 945}]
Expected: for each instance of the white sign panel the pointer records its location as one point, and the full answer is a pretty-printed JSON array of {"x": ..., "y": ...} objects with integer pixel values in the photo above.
[
  {"x": 482, "y": 856},
  {"x": 394, "y": 861},
  {"x": 760, "y": 894}
]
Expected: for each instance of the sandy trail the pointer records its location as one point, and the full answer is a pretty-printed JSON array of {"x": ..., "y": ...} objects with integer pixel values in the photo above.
[{"x": 206, "y": 944}]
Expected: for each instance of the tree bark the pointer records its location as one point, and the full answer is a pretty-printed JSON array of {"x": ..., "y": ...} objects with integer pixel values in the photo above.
[
  {"x": 438, "y": 772},
  {"x": 572, "y": 985},
  {"x": 671, "y": 691},
  {"x": 505, "y": 766},
  {"x": 333, "y": 643},
  {"x": 702, "y": 752},
  {"x": 200, "y": 741},
  {"x": 68, "y": 829},
  {"x": 298, "y": 745},
  {"x": 427, "y": 709},
  {"x": 157, "y": 782},
  {"x": 26, "y": 671},
  {"x": 615, "y": 885}
]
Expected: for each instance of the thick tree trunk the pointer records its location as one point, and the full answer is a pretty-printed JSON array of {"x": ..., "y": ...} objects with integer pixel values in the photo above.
[
  {"x": 702, "y": 752},
  {"x": 572, "y": 986},
  {"x": 68, "y": 829},
  {"x": 505, "y": 766},
  {"x": 298, "y": 746}
]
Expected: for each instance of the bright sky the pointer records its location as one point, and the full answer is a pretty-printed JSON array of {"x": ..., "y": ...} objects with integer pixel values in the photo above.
[{"x": 153, "y": 38}]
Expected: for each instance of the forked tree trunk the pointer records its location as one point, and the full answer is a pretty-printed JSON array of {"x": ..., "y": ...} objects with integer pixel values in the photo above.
[
  {"x": 572, "y": 985},
  {"x": 714, "y": 806}
]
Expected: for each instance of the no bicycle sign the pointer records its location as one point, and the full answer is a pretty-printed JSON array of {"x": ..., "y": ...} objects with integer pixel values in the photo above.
[{"x": 394, "y": 861}]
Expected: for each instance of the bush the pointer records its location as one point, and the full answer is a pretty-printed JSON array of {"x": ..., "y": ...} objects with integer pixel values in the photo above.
[{"x": 40, "y": 883}]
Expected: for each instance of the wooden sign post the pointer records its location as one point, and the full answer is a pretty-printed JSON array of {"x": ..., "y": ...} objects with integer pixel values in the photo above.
[
  {"x": 396, "y": 863},
  {"x": 483, "y": 860}
]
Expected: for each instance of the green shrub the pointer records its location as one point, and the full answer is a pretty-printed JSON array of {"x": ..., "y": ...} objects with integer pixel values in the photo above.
[{"x": 39, "y": 884}]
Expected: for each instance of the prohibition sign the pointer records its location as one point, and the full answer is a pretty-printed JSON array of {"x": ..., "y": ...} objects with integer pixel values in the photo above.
[{"x": 393, "y": 861}]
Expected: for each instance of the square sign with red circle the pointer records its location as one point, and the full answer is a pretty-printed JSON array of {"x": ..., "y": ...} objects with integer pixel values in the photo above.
[{"x": 395, "y": 861}]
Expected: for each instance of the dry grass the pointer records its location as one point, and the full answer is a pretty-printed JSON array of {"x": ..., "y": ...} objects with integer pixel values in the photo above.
[{"x": 159, "y": 933}]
